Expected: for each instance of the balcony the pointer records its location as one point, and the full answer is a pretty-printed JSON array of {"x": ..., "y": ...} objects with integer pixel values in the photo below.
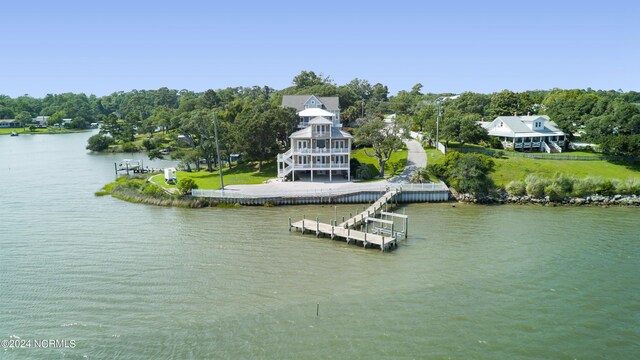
[
  {"x": 326, "y": 151},
  {"x": 332, "y": 166}
]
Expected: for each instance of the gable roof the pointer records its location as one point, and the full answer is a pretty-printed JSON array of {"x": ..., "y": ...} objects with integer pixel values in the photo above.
[
  {"x": 297, "y": 101},
  {"x": 513, "y": 125}
]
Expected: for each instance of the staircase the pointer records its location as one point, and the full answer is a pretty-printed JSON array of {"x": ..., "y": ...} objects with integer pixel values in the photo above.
[
  {"x": 554, "y": 147},
  {"x": 286, "y": 160}
]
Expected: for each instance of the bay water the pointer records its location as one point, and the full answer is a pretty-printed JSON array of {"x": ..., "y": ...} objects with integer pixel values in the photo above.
[{"x": 133, "y": 281}]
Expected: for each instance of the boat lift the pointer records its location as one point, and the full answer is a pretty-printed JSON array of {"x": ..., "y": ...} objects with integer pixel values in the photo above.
[{"x": 385, "y": 225}]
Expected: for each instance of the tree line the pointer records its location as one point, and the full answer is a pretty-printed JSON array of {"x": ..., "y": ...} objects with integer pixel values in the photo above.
[{"x": 252, "y": 121}]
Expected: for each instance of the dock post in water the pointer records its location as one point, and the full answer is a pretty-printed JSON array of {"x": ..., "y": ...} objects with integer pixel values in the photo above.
[{"x": 289, "y": 224}]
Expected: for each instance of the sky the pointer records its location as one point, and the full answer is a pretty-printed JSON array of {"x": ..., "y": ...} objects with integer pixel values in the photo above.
[{"x": 99, "y": 47}]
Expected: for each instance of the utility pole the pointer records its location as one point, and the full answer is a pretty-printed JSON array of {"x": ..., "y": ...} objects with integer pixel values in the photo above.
[
  {"x": 438, "y": 103},
  {"x": 215, "y": 132}
]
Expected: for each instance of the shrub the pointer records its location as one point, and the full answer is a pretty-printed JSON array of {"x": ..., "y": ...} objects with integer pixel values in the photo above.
[
  {"x": 420, "y": 176},
  {"x": 364, "y": 173},
  {"x": 99, "y": 142},
  {"x": 605, "y": 187},
  {"x": 564, "y": 182},
  {"x": 438, "y": 170},
  {"x": 153, "y": 190},
  {"x": 186, "y": 185},
  {"x": 129, "y": 147},
  {"x": 584, "y": 187},
  {"x": 630, "y": 187},
  {"x": 150, "y": 144},
  {"x": 554, "y": 192},
  {"x": 354, "y": 165},
  {"x": 516, "y": 188},
  {"x": 536, "y": 185},
  {"x": 498, "y": 154}
]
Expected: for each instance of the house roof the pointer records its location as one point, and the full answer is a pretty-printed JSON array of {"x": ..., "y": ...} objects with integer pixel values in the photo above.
[
  {"x": 297, "y": 101},
  {"x": 306, "y": 134},
  {"x": 518, "y": 126},
  {"x": 314, "y": 112},
  {"x": 320, "y": 121}
]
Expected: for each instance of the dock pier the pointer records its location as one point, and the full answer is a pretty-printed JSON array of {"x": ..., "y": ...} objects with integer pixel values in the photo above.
[{"x": 346, "y": 229}]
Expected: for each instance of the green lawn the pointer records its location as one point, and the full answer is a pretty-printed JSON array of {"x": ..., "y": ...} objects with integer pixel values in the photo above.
[
  {"x": 392, "y": 167},
  {"x": 240, "y": 174},
  {"x": 514, "y": 168},
  {"x": 517, "y": 168},
  {"x": 50, "y": 130}
]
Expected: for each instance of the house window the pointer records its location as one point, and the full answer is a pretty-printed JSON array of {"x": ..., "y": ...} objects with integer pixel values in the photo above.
[{"x": 320, "y": 144}]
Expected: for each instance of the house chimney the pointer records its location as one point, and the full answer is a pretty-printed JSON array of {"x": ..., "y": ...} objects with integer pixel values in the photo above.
[
  {"x": 528, "y": 113},
  {"x": 515, "y": 113}
]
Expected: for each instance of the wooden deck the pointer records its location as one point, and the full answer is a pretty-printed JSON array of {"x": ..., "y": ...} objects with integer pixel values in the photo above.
[
  {"x": 346, "y": 230},
  {"x": 366, "y": 239},
  {"x": 360, "y": 218}
]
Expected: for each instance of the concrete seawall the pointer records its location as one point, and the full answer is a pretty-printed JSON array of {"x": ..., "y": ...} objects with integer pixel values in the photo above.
[{"x": 408, "y": 195}]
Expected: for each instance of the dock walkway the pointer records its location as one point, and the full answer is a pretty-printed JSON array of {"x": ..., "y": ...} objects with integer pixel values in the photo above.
[
  {"x": 366, "y": 239},
  {"x": 360, "y": 218},
  {"x": 346, "y": 230}
]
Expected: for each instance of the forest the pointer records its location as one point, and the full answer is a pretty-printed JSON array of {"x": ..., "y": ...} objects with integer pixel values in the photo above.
[{"x": 252, "y": 122}]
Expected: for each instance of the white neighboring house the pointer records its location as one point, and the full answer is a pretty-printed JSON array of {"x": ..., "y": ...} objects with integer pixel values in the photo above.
[
  {"x": 41, "y": 121},
  {"x": 527, "y": 133},
  {"x": 319, "y": 147}
]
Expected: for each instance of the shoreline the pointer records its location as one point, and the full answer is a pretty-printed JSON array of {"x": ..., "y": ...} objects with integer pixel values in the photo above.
[{"x": 589, "y": 201}]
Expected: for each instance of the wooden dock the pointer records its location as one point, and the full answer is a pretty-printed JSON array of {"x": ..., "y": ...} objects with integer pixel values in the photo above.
[
  {"x": 359, "y": 219},
  {"x": 346, "y": 230},
  {"x": 384, "y": 242}
]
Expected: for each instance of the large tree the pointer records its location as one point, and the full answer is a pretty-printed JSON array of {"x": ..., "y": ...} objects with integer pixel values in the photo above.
[
  {"x": 262, "y": 134},
  {"x": 382, "y": 138}
]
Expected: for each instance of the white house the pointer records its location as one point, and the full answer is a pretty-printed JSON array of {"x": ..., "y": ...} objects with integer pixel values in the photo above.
[
  {"x": 10, "y": 123},
  {"x": 319, "y": 147},
  {"x": 527, "y": 133},
  {"x": 41, "y": 121}
]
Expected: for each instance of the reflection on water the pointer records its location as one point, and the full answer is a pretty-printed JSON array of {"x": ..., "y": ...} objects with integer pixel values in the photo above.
[{"x": 135, "y": 281}]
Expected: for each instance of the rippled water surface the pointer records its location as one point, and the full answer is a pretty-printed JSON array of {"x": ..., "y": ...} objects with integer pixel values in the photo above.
[{"x": 134, "y": 281}]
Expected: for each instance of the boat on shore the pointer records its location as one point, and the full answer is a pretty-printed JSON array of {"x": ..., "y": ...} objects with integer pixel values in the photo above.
[{"x": 13, "y": 133}]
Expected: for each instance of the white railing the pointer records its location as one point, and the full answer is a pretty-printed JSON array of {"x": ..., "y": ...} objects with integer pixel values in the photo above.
[
  {"x": 333, "y": 166},
  {"x": 321, "y": 151},
  {"x": 321, "y": 192},
  {"x": 556, "y": 147},
  {"x": 546, "y": 147}
]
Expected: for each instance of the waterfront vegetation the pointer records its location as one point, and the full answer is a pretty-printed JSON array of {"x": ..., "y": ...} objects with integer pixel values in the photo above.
[
  {"x": 137, "y": 189},
  {"x": 553, "y": 178},
  {"x": 37, "y": 130}
]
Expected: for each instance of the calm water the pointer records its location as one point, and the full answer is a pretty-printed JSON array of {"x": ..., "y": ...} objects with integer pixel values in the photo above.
[{"x": 133, "y": 281}]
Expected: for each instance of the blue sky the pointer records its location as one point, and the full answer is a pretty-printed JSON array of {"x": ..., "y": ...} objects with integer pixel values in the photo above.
[{"x": 98, "y": 47}]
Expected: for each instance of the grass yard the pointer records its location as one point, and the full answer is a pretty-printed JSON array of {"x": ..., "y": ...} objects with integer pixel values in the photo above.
[
  {"x": 392, "y": 167},
  {"x": 514, "y": 168},
  {"x": 517, "y": 168},
  {"x": 240, "y": 174}
]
